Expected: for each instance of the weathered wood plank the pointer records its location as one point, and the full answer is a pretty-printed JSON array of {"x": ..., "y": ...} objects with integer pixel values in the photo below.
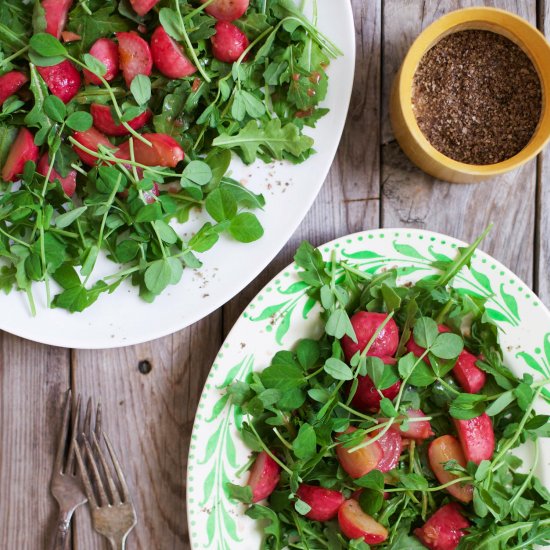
[
  {"x": 542, "y": 244},
  {"x": 149, "y": 418},
  {"x": 33, "y": 379},
  {"x": 350, "y": 198},
  {"x": 410, "y": 198}
]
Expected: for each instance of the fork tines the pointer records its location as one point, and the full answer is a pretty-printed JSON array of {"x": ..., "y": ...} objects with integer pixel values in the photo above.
[{"x": 108, "y": 491}]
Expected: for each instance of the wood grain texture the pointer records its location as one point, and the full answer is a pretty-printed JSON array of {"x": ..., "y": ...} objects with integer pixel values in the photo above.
[
  {"x": 149, "y": 417},
  {"x": 33, "y": 379},
  {"x": 542, "y": 243},
  {"x": 411, "y": 198},
  {"x": 350, "y": 198}
]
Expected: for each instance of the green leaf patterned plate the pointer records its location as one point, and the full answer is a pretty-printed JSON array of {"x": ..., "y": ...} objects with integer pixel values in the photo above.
[{"x": 281, "y": 314}]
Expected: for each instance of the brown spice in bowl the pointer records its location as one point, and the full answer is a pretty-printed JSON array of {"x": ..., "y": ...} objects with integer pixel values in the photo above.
[{"x": 477, "y": 97}]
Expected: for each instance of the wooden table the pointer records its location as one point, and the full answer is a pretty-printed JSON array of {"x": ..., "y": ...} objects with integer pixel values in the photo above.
[{"x": 150, "y": 416}]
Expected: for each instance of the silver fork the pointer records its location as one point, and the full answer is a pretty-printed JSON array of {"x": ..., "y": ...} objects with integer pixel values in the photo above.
[
  {"x": 113, "y": 514},
  {"x": 65, "y": 486}
]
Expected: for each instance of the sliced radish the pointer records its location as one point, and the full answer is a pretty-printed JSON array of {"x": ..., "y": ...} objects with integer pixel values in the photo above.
[
  {"x": 135, "y": 55},
  {"x": 324, "y": 503},
  {"x": 104, "y": 121},
  {"x": 69, "y": 36},
  {"x": 477, "y": 437},
  {"x": 264, "y": 477},
  {"x": 169, "y": 57},
  {"x": 362, "y": 461},
  {"x": 22, "y": 150},
  {"x": 442, "y": 450},
  {"x": 106, "y": 51},
  {"x": 365, "y": 324},
  {"x": 56, "y": 12},
  {"x": 415, "y": 430},
  {"x": 68, "y": 183},
  {"x": 355, "y": 524},
  {"x": 229, "y": 42},
  {"x": 10, "y": 83},
  {"x": 141, "y": 7},
  {"x": 392, "y": 446},
  {"x": 165, "y": 151},
  {"x": 63, "y": 80},
  {"x": 90, "y": 139},
  {"x": 444, "y": 529},
  {"x": 227, "y": 10}
]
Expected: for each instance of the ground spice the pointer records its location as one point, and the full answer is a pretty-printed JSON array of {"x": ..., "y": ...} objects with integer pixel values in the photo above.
[{"x": 477, "y": 97}]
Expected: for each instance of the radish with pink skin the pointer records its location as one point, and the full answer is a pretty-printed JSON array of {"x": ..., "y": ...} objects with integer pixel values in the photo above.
[
  {"x": 63, "y": 80},
  {"x": 55, "y": 12},
  {"x": 264, "y": 477},
  {"x": 477, "y": 437},
  {"x": 444, "y": 529},
  {"x": 141, "y": 7},
  {"x": 106, "y": 51},
  {"x": 360, "y": 462},
  {"x": 324, "y": 503},
  {"x": 134, "y": 55},
  {"x": 22, "y": 150},
  {"x": 229, "y": 42},
  {"x": 355, "y": 524},
  {"x": 392, "y": 445},
  {"x": 227, "y": 10},
  {"x": 163, "y": 151},
  {"x": 415, "y": 430},
  {"x": 169, "y": 57},
  {"x": 91, "y": 139},
  {"x": 104, "y": 121},
  {"x": 365, "y": 324},
  {"x": 68, "y": 183},
  {"x": 440, "y": 451},
  {"x": 10, "y": 83}
]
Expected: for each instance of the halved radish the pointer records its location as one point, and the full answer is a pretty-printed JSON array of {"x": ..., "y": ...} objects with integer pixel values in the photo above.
[
  {"x": 135, "y": 55},
  {"x": 56, "y": 12},
  {"x": 365, "y": 324},
  {"x": 63, "y": 80},
  {"x": 442, "y": 450},
  {"x": 477, "y": 437},
  {"x": 468, "y": 375},
  {"x": 90, "y": 139},
  {"x": 391, "y": 444},
  {"x": 169, "y": 57},
  {"x": 444, "y": 529},
  {"x": 106, "y": 51},
  {"x": 229, "y": 42},
  {"x": 362, "y": 461},
  {"x": 355, "y": 524},
  {"x": 141, "y": 7},
  {"x": 415, "y": 430},
  {"x": 264, "y": 476},
  {"x": 165, "y": 151},
  {"x": 324, "y": 503},
  {"x": 104, "y": 121},
  {"x": 366, "y": 397},
  {"x": 22, "y": 150},
  {"x": 68, "y": 183},
  {"x": 10, "y": 83},
  {"x": 227, "y": 10}
]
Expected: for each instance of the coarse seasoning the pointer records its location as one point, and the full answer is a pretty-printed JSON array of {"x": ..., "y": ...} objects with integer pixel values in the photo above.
[{"x": 477, "y": 97}]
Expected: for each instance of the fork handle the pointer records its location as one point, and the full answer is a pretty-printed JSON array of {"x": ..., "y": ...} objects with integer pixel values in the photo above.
[
  {"x": 118, "y": 544},
  {"x": 62, "y": 532}
]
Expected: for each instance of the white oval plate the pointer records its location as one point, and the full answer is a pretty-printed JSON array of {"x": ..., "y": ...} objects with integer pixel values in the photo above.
[
  {"x": 124, "y": 319},
  {"x": 281, "y": 315}
]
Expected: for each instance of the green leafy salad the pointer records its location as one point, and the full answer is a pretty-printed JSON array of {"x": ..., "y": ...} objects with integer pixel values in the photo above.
[
  {"x": 395, "y": 428},
  {"x": 119, "y": 117}
]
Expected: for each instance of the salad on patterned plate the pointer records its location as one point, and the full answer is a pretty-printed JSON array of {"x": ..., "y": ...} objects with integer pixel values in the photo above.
[{"x": 396, "y": 427}]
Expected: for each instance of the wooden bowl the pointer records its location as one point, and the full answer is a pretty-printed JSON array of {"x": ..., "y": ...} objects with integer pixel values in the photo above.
[{"x": 405, "y": 127}]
